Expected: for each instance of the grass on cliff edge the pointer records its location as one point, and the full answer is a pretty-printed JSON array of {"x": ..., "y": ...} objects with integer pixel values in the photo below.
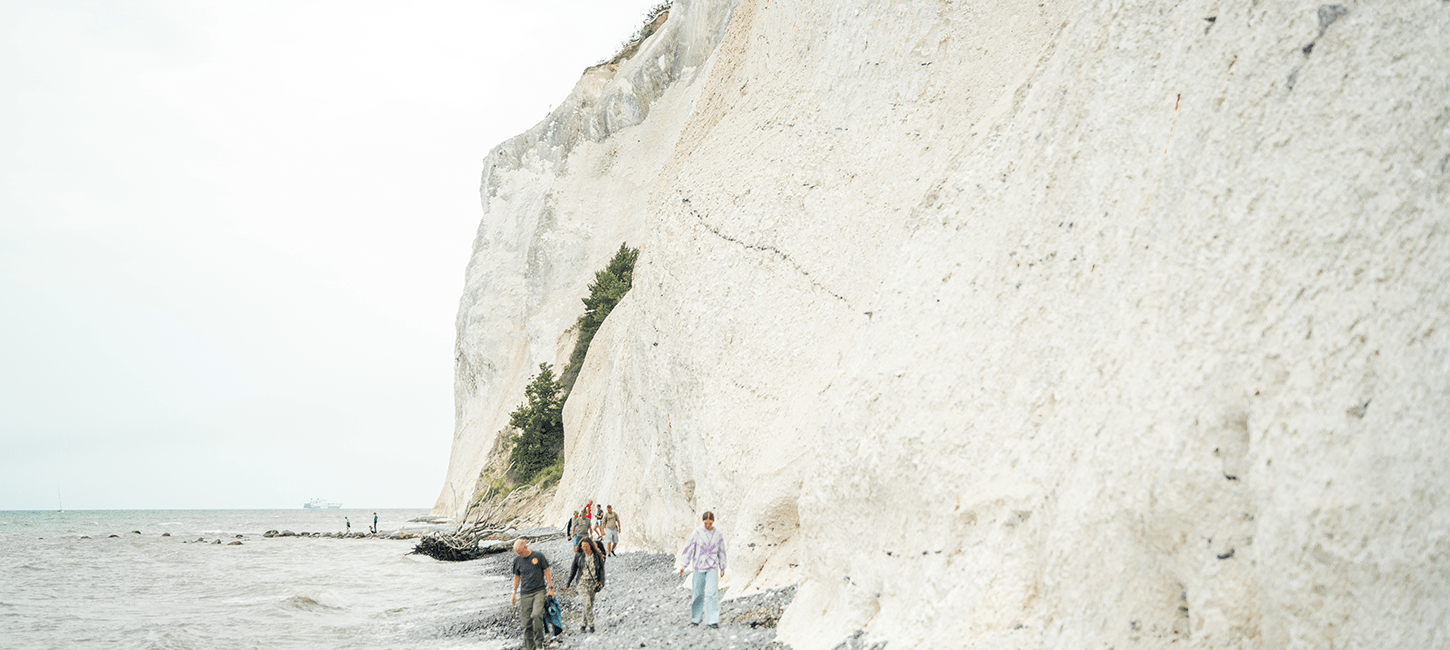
[{"x": 653, "y": 19}]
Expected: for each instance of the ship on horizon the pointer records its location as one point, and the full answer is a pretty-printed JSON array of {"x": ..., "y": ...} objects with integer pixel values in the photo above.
[{"x": 321, "y": 504}]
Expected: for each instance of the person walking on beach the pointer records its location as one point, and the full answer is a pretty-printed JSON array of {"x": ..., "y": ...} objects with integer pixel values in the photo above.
[
  {"x": 704, "y": 554},
  {"x": 375, "y": 523},
  {"x": 611, "y": 530},
  {"x": 589, "y": 569},
  {"x": 580, "y": 530},
  {"x": 531, "y": 576}
]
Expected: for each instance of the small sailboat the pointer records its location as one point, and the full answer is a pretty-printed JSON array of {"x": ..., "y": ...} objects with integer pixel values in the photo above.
[{"x": 59, "y": 505}]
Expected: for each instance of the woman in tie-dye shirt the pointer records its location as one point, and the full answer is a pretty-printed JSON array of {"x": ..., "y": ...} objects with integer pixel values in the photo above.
[{"x": 704, "y": 554}]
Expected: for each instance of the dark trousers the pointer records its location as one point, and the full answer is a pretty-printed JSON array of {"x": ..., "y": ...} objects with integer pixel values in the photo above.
[{"x": 531, "y": 615}]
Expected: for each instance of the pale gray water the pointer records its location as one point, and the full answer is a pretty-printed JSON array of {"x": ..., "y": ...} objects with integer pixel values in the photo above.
[{"x": 147, "y": 591}]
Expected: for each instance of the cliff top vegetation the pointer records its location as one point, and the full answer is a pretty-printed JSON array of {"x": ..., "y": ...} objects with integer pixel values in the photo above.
[{"x": 653, "y": 19}]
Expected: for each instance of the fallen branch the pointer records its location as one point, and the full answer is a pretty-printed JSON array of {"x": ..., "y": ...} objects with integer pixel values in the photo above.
[{"x": 454, "y": 549}]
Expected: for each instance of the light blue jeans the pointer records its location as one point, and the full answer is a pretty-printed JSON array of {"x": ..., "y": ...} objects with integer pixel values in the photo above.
[{"x": 707, "y": 597}]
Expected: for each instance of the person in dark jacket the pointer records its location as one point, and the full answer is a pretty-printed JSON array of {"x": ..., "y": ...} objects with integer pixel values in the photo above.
[{"x": 589, "y": 570}]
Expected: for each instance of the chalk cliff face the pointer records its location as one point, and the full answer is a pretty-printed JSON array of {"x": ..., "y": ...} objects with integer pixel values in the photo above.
[
  {"x": 558, "y": 200},
  {"x": 1009, "y": 324}
]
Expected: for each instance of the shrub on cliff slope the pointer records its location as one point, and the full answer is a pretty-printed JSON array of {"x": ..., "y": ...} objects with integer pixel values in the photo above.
[
  {"x": 605, "y": 292},
  {"x": 539, "y": 426}
]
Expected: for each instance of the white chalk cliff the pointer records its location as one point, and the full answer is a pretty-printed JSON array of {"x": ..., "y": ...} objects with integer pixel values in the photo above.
[{"x": 1004, "y": 324}]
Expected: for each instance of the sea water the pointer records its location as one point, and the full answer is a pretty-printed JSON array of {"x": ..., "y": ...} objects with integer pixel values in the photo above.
[{"x": 59, "y": 589}]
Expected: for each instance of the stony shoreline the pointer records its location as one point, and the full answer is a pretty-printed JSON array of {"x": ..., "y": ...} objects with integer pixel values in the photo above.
[
  {"x": 641, "y": 606},
  {"x": 397, "y": 534}
]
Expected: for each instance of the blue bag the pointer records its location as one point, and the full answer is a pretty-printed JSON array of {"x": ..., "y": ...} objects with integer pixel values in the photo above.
[{"x": 553, "y": 617}]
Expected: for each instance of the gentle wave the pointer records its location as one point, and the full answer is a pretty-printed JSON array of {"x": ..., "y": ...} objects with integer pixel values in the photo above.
[
  {"x": 308, "y": 603},
  {"x": 168, "y": 638},
  {"x": 152, "y": 592}
]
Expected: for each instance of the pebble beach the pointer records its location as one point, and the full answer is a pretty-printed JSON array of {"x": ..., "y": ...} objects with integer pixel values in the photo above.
[{"x": 642, "y": 606}]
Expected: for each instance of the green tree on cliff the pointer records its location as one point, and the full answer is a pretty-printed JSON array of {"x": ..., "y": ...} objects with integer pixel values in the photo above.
[
  {"x": 605, "y": 292},
  {"x": 539, "y": 424}
]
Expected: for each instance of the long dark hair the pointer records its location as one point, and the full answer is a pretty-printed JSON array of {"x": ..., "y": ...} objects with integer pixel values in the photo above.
[{"x": 593, "y": 547}]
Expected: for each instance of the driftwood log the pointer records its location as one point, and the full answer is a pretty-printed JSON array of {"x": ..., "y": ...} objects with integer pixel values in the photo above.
[
  {"x": 452, "y": 549},
  {"x": 462, "y": 545}
]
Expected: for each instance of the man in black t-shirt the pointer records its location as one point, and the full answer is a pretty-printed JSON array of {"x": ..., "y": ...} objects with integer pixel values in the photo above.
[{"x": 532, "y": 570}]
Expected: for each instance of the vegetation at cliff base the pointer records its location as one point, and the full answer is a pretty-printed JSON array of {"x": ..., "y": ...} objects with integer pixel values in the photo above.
[
  {"x": 538, "y": 426},
  {"x": 605, "y": 292}
]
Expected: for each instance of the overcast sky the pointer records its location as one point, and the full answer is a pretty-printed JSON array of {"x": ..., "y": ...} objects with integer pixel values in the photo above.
[{"x": 233, "y": 234}]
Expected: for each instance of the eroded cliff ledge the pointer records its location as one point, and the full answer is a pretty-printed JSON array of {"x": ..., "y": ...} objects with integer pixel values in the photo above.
[{"x": 1005, "y": 324}]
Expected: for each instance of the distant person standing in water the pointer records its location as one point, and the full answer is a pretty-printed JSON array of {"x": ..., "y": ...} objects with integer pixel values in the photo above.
[
  {"x": 704, "y": 554},
  {"x": 348, "y": 522},
  {"x": 531, "y": 576},
  {"x": 375, "y": 523},
  {"x": 611, "y": 530}
]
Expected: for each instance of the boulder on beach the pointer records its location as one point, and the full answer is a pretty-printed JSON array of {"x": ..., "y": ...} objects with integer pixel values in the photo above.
[
  {"x": 270, "y": 533},
  {"x": 166, "y": 534},
  {"x": 114, "y": 536},
  {"x": 286, "y": 533},
  {"x": 232, "y": 543},
  {"x": 217, "y": 541}
]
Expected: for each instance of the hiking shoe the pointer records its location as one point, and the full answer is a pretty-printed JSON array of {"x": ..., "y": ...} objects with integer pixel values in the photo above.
[
  {"x": 714, "y": 626},
  {"x": 583, "y": 628},
  {"x": 591, "y": 629}
]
